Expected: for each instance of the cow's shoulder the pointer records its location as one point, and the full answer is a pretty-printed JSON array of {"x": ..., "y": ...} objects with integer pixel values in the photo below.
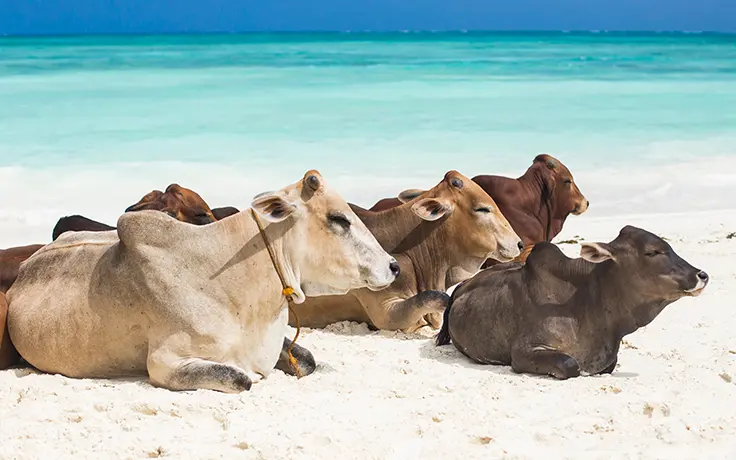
[
  {"x": 548, "y": 266},
  {"x": 155, "y": 239},
  {"x": 151, "y": 228}
]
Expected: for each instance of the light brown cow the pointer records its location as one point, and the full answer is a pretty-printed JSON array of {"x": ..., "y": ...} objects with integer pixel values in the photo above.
[
  {"x": 444, "y": 234},
  {"x": 194, "y": 307}
]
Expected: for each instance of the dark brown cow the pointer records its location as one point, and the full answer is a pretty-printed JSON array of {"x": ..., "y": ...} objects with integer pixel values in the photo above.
[
  {"x": 226, "y": 211},
  {"x": 77, "y": 223},
  {"x": 535, "y": 204},
  {"x": 563, "y": 317}
]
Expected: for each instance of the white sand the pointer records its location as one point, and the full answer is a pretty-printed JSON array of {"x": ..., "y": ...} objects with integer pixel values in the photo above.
[{"x": 388, "y": 395}]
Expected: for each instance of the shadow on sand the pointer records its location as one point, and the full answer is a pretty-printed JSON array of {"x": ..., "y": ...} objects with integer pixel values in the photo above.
[{"x": 448, "y": 354}]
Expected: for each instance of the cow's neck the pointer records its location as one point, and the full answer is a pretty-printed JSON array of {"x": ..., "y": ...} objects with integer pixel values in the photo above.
[
  {"x": 399, "y": 231},
  {"x": 250, "y": 255},
  {"x": 610, "y": 301},
  {"x": 540, "y": 202}
]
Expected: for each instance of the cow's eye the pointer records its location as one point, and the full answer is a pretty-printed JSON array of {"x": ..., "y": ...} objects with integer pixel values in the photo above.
[
  {"x": 340, "y": 220},
  {"x": 483, "y": 210},
  {"x": 653, "y": 253},
  {"x": 568, "y": 181}
]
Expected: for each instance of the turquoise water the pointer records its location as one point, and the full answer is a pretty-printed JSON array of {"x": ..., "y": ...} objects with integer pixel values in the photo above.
[
  {"x": 357, "y": 102},
  {"x": 88, "y": 125}
]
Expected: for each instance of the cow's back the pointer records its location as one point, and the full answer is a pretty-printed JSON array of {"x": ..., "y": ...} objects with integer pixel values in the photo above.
[
  {"x": 486, "y": 313},
  {"x": 66, "y": 312}
]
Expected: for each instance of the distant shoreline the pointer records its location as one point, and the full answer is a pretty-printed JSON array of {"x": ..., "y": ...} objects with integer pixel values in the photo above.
[{"x": 394, "y": 33}]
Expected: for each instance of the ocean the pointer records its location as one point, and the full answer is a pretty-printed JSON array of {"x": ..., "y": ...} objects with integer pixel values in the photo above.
[{"x": 646, "y": 122}]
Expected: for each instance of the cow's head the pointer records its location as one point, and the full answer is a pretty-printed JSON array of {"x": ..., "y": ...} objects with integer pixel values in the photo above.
[
  {"x": 178, "y": 202},
  {"x": 474, "y": 223},
  {"x": 564, "y": 193},
  {"x": 330, "y": 249},
  {"x": 648, "y": 266}
]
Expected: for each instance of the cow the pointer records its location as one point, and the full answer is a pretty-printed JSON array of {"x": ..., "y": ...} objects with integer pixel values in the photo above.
[
  {"x": 535, "y": 204},
  {"x": 194, "y": 307},
  {"x": 226, "y": 211},
  {"x": 10, "y": 260},
  {"x": 8, "y": 353},
  {"x": 77, "y": 223},
  {"x": 566, "y": 317},
  {"x": 186, "y": 205},
  {"x": 180, "y": 203},
  {"x": 441, "y": 236}
]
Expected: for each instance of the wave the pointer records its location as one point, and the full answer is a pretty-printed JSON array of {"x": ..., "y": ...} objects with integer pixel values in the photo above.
[{"x": 35, "y": 198}]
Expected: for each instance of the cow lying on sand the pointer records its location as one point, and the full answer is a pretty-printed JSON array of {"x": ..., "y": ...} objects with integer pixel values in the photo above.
[
  {"x": 561, "y": 316},
  {"x": 180, "y": 203},
  {"x": 535, "y": 204},
  {"x": 445, "y": 233},
  {"x": 196, "y": 307},
  {"x": 187, "y": 206}
]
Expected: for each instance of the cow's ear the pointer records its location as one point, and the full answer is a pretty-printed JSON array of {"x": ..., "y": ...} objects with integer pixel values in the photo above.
[
  {"x": 596, "y": 252},
  {"x": 273, "y": 206},
  {"x": 431, "y": 208},
  {"x": 408, "y": 195}
]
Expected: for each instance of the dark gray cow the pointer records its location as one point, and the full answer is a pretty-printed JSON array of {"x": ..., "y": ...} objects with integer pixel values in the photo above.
[{"x": 562, "y": 316}]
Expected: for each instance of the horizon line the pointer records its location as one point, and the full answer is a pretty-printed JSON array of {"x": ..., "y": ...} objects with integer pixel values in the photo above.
[{"x": 375, "y": 32}]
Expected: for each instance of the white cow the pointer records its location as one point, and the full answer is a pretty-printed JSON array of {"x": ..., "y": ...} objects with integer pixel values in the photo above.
[{"x": 194, "y": 306}]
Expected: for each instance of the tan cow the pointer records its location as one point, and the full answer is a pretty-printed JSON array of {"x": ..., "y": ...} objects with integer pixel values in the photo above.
[
  {"x": 196, "y": 307},
  {"x": 439, "y": 238}
]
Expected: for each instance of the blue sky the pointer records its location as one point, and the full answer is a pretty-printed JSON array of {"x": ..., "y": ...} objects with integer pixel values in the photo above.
[{"x": 147, "y": 16}]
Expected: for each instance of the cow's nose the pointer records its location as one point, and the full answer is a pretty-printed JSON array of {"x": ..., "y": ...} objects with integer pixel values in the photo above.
[
  {"x": 520, "y": 245},
  {"x": 702, "y": 276},
  {"x": 587, "y": 203},
  {"x": 394, "y": 267}
]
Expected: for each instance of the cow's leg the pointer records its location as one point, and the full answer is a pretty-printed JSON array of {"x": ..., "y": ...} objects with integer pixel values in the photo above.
[
  {"x": 303, "y": 357},
  {"x": 406, "y": 314},
  {"x": 611, "y": 368},
  {"x": 167, "y": 370},
  {"x": 545, "y": 361}
]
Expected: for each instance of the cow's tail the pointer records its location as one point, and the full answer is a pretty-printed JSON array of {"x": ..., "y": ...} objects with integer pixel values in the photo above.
[{"x": 443, "y": 336}]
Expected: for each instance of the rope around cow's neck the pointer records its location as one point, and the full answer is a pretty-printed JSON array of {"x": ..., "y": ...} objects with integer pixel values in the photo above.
[{"x": 287, "y": 290}]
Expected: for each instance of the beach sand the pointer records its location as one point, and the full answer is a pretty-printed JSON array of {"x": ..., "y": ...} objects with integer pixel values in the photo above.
[{"x": 389, "y": 395}]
